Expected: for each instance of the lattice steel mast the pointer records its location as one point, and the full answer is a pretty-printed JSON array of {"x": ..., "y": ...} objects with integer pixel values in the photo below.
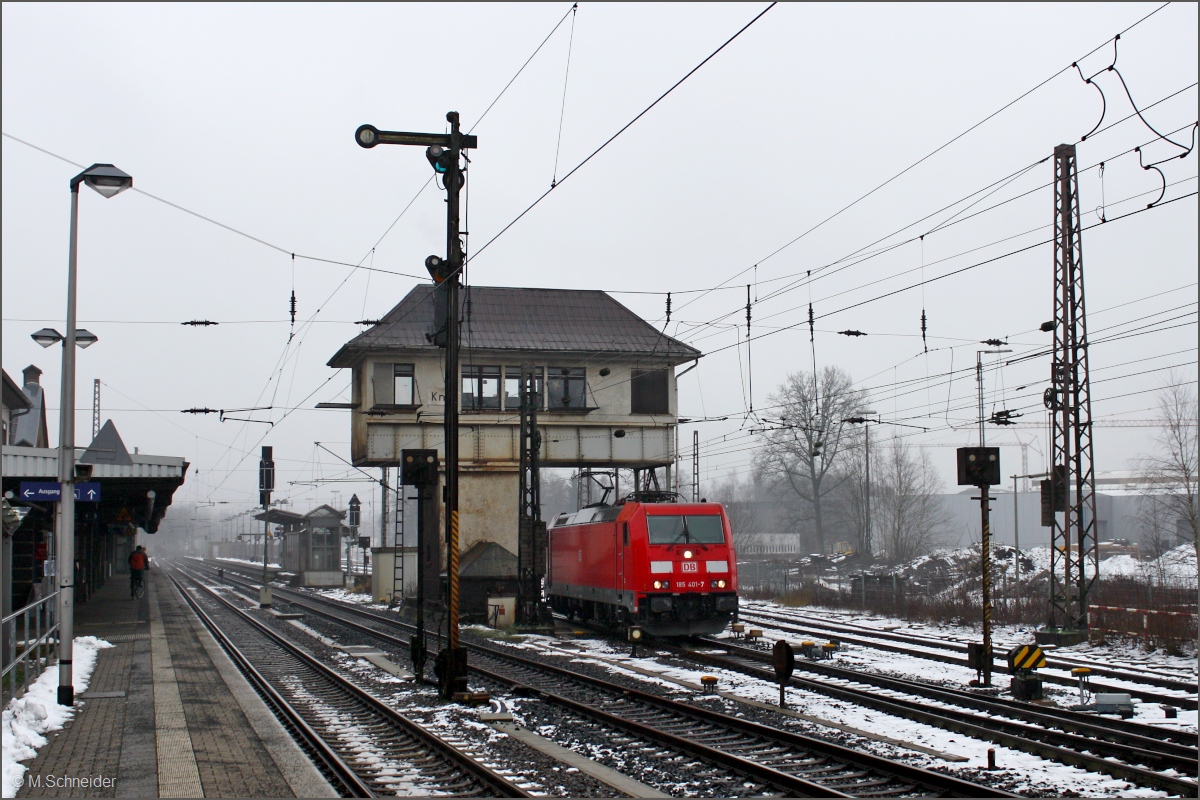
[
  {"x": 1074, "y": 556},
  {"x": 532, "y": 543}
]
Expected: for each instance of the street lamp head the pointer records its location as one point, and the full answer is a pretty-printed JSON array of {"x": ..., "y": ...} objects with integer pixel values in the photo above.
[
  {"x": 106, "y": 179},
  {"x": 46, "y": 337},
  {"x": 85, "y": 338}
]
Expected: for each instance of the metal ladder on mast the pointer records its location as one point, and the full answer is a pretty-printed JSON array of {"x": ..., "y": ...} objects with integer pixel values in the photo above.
[{"x": 397, "y": 599}]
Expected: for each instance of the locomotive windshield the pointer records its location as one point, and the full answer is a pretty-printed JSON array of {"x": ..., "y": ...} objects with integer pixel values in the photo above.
[{"x": 690, "y": 529}]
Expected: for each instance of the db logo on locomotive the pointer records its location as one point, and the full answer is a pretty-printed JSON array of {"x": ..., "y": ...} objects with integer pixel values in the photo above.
[{"x": 688, "y": 566}]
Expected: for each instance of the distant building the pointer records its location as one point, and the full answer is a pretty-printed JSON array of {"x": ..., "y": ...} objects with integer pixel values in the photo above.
[
  {"x": 312, "y": 544},
  {"x": 28, "y": 427},
  {"x": 16, "y": 404}
]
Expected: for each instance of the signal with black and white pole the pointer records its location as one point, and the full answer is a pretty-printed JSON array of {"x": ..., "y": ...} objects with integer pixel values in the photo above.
[
  {"x": 980, "y": 466},
  {"x": 266, "y": 485}
]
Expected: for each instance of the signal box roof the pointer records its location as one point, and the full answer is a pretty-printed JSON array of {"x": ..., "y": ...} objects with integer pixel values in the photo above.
[{"x": 522, "y": 319}]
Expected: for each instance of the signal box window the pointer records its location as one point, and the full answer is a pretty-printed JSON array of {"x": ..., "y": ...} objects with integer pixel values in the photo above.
[
  {"x": 480, "y": 388},
  {"x": 648, "y": 392},
  {"x": 566, "y": 387},
  {"x": 403, "y": 384},
  {"x": 679, "y": 529},
  {"x": 394, "y": 384},
  {"x": 512, "y": 387}
]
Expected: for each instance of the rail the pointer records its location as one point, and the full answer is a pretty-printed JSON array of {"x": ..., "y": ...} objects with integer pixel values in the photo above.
[{"x": 38, "y": 632}]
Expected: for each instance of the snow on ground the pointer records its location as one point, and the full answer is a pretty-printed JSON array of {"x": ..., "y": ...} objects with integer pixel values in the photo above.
[
  {"x": 1028, "y": 772},
  {"x": 27, "y": 718},
  {"x": 1174, "y": 567},
  {"x": 247, "y": 561},
  {"x": 1114, "y": 654},
  {"x": 341, "y": 595}
]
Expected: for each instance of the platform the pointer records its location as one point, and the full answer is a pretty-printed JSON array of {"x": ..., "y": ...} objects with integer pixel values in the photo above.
[{"x": 166, "y": 713}]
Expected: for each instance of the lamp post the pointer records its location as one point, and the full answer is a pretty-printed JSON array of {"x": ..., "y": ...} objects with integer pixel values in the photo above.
[{"x": 108, "y": 181}]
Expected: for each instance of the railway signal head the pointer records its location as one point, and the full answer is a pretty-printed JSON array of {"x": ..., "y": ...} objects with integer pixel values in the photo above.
[
  {"x": 440, "y": 158},
  {"x": 979, "y": 466},
  {"x": 418, "y": 467},
  {"x": 438, "y": 267}
]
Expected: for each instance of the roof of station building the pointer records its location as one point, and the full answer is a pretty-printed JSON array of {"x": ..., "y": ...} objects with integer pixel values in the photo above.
[{"x": 508, "y": 318}]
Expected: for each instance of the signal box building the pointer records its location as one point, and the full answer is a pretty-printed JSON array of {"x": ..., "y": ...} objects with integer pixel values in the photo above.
[{"x": 606, "y": 382}]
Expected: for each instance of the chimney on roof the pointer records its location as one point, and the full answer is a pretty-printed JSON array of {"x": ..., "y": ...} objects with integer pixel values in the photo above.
[{"x": 31, "y": 374}]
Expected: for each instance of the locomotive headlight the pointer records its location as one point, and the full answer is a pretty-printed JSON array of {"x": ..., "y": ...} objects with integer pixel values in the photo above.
[
  {"x": 687, "y": 553},
  {"x": 658, "y": 584},
  {"x": 720, "y": 584}
]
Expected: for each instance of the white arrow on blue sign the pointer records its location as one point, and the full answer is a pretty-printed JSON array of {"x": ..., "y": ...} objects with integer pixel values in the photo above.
[
  {"x": 88, "y": 492},
  {"x": 51, "y": 491}
]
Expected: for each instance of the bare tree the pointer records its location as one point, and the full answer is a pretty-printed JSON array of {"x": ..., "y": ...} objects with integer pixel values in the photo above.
[
  {"x": 1169, "y": 503},
  {"x": 809, "y": 440},
  {"x": 909, "y": 519},
  {"x": 742, "y": 504},
  {"x": 1157, "y": 537},
  {"x": 848, "y": 509}
]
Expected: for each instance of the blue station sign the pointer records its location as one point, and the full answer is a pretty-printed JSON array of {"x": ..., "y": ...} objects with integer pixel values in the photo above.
[{"x": 51, "y": 491}]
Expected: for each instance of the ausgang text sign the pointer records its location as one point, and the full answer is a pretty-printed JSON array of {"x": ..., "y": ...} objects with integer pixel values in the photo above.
[{"x": 51, "y": 492}]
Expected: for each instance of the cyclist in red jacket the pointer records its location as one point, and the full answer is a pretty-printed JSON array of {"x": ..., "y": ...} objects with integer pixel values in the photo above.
[{"x": 139, "y": 562}]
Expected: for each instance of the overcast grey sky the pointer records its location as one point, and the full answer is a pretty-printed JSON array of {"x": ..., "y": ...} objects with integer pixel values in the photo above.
[{"x": 245, "y": 114}]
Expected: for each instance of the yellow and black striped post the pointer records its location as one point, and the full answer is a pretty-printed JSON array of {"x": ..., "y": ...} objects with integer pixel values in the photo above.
[
  {"x": 984, "y": 505},
  {"x": 452, "y": 573}
]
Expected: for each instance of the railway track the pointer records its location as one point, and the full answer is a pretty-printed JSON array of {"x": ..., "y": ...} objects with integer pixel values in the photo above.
[
  {"x": 1129, "y": 751},
  {"x": 363, "y": 745},
  {"x": 1102, "y": 745},
  {"x": 742, "y": 757},
  {"x": 955, "y": 653}
]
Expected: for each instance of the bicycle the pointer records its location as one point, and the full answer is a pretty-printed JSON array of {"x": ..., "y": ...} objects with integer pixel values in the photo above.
[{"x": 139, "y": 588}]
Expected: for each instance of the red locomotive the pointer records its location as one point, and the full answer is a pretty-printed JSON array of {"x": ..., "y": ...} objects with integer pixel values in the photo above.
[{"x": 667, "y": 567}]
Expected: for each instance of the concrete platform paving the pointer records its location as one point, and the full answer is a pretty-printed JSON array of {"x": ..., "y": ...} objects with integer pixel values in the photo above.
[{"x": 166, "y": 714}]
